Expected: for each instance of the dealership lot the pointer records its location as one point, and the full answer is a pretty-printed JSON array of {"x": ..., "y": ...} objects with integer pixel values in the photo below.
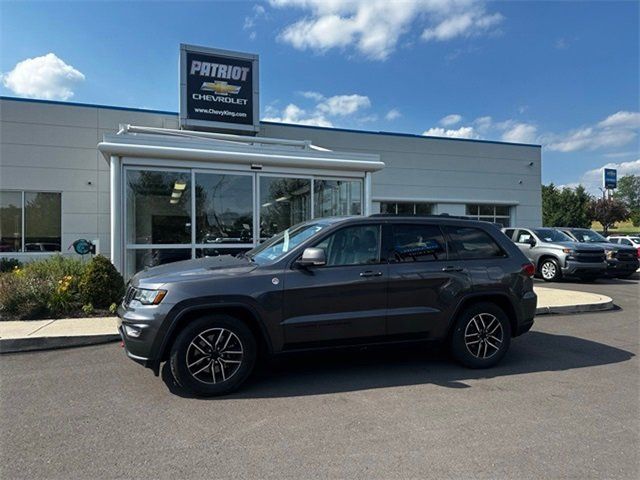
[{"x": 564, "y": 403}]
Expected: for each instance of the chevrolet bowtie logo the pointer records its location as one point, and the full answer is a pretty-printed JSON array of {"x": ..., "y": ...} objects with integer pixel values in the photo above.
[{"x": 221, "y": 88}]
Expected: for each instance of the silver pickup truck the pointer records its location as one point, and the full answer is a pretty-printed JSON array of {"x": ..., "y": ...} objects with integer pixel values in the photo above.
[{"x": 555, "y": 254}]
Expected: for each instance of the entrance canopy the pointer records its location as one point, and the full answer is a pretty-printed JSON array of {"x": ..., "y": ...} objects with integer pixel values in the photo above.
[{"x": 179, "y": 194}]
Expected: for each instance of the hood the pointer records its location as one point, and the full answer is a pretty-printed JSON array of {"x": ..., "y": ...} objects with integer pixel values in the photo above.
[
  {"x": 223, "y": 265},
  {"x": 610, "y": 246},
  {"x": 579, "y": 246}
]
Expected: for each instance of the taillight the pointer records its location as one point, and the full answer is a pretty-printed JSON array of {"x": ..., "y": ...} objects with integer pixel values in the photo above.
[{"x": 529, "y": 269}]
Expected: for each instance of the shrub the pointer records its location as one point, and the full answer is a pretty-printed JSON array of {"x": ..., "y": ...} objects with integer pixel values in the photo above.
[
  {"x": 9, "y": 264},
  {"x": 87, "y": 308},
  {"x": 101, "y": 284}
]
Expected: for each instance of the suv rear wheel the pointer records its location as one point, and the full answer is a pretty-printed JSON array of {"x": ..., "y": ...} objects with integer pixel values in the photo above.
[
  {"x": 213, "y": 355},
  {"x": 550, "y": 270},
  {"x": 481, "y": 336}
]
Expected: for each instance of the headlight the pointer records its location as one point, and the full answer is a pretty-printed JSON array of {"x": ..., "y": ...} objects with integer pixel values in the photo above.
[
  {"x": 610, "y": 254},
  {"x": 149, "y": 297},
  {"x": 567, "y": 250}
]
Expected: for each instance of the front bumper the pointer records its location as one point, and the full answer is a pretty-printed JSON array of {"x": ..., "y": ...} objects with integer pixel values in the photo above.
[
  {"x": 573, "y": 267},
  {"x": 138, "y": 329},
  {"x": 616, "y": 268}
]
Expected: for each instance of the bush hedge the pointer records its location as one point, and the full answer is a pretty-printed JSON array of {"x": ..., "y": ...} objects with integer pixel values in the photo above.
[{"x": 58, "y": 286}]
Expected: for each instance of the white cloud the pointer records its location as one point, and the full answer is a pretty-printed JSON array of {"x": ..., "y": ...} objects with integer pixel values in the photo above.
[
  {"x": 592, "y": 179},
  {"x": 344, "y": 104},
  {"x": 518, "y": 132},
  {"x": 250, "y": 21},
  {"x": 393, "y": 114},
  {"x": 374, "y": 27},
  {"x": 45, "y": 77},
  {"x": 467, "y": 23},
  {"x": 462, "y": 132},
  {"x": 324, "y": 108},
  {"x": 450, "y": 120},
  {"x": 294, "y": 114},
  {"x": 614, "y": 131}
]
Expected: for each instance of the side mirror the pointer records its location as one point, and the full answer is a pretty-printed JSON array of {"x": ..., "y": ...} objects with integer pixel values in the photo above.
[
  {"x": 312, "y": 257},
  {"x": 531, "y": 242}
]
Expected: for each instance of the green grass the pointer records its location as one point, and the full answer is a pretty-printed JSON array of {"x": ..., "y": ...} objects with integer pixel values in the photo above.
[{"x": 622, "y": 228}]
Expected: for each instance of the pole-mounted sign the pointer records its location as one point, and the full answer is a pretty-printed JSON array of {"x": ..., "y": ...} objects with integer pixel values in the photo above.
[
  {"x": 218, "y": 90},
  {"x": 610, "y": 178}
]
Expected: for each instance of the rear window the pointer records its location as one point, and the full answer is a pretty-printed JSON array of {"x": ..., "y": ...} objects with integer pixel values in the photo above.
[
  {"x": 470, "y": 243},
  {"x": 417, "y": 243}
]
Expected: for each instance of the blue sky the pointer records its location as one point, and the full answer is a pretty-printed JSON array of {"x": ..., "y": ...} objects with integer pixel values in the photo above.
[{"x": 562, "y": 74}]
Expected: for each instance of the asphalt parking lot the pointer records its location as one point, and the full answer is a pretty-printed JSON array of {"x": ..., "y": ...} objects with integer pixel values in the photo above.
[{"x": 564, "y": 403}]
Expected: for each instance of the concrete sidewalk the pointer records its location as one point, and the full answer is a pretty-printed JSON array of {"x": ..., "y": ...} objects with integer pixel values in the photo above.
[{"x": 22, "y": 336}]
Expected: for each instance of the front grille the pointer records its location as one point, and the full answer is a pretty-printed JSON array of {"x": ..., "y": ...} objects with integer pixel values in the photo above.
[
  {"x": 625, "y": 256},
  {"x": 128, "y": 296},
  {"x": 590, "y": 257}
]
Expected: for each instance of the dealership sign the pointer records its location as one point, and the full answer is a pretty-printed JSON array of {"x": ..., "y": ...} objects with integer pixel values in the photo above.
[
  {"x": 218, "y": 89},
  {"x": 610, "y": 178}
]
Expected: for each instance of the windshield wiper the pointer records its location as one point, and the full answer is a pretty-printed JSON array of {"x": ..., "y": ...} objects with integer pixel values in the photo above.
[{"x": 245, "y": 255}]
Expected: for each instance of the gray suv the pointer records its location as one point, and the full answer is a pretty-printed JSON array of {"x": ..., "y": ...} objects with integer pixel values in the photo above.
[
  {"x": 555, "y": 254},
  {"x": 331, "y": 282}
]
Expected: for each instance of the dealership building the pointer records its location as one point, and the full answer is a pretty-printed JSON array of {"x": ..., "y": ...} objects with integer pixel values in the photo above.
[{"x": 151, "y": 187}]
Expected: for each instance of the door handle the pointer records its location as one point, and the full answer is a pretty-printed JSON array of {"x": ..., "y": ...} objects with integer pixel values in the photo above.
[
  {"x": 370, "y": 273},
  {"x": 451, "y": 268}
]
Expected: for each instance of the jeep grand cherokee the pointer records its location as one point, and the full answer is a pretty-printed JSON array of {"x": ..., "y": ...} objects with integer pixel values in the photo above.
[{"x": 331, "y": 282}]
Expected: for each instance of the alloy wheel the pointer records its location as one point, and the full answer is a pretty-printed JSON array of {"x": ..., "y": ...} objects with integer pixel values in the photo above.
[
  {"x": 483, "y": 336},
  {"x": 548, "y": 270},
  {"x": 214, "y": 355}
]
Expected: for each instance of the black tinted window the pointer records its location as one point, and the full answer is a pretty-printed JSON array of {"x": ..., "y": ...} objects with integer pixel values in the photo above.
[
  {"x": 509, "y": 232},
  {"x": 417, "y": 243},
  {"x": 353, "y": 246},
  {"x": 472, "y": 243}
]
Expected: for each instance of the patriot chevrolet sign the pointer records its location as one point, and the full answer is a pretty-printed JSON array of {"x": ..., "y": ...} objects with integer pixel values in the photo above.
[{"x": 218, "y": 89}]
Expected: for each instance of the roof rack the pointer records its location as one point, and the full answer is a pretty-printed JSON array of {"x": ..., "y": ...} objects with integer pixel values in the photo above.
[{"x": 440, "y": 215}]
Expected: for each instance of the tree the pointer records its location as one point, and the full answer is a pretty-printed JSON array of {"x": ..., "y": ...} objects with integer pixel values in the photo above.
[
  {"x": 628, "y": 192},
  {"x": 608, "y": 212},
  {"x": 565, "y": 207}
]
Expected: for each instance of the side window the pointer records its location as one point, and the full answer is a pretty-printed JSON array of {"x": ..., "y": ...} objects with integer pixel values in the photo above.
[
  {"x": 509, "y": 232},
  {"x": 358, "y": 245},
  {"x": 624, "y": 241},
  {"x": 472, "y": 243},
  {"x": 417, "y": 243},
  {"x": 523, "y": 236}
]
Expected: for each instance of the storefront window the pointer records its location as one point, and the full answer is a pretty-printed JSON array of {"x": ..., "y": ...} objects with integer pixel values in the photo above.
[
  {"x": 406, "y": 208},
  {"x": 158, "y": 207},
  {"x": 500, "y": 214},
  {"x": 224, "y": 209},
  {"x": 42, "y": 220},
  {"x": 337, "y": 197},
  {"x": 140, "y": 259},
  {"x": 40, "y": 216},
  {"x": 283, "y": 203}
]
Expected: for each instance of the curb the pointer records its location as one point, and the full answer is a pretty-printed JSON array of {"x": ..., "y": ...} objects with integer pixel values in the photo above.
[
  {"x": 569, "y": 309},
  {"x": 16, "y": 345}
]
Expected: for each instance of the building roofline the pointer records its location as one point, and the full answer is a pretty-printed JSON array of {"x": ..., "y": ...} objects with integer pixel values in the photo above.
[{"x": 334, "y": 129}]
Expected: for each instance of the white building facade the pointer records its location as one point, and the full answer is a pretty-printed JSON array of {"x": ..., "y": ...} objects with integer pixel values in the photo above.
[{"x": 148, "y": 193}]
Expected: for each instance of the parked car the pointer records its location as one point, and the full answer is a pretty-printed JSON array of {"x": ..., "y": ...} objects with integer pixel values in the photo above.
[
  {"x": 628, "y": 240},
  {"x": 555, "y": 254},
  {"x": 331, "y": 282},
  {"x": 622, "y": 260}
]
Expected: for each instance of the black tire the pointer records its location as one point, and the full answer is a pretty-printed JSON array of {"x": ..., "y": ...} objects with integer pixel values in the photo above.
[
  {"x": 204, "y": 332},
  {"x": 550, "y": 270},
  {"x": 462, "y": 346}
]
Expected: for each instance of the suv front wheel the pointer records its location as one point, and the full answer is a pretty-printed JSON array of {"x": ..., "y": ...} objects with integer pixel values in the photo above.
[
  {"x": 481, "y": 336},
  {"x": 550, "y": 270},
  {"x": 213, "y": 355}
]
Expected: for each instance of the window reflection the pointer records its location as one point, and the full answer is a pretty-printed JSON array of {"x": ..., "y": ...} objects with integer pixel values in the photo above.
[
  {"x": 337, "y": 197},
  {"x": 283, "y": 203},
  {"x": 158, "y": 207},
  {"x": 10, "y": 221},
  {"x": 224, "y": 208}
]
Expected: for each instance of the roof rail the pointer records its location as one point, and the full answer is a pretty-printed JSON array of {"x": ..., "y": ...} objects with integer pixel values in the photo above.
[{"x": 418, "y": 215}]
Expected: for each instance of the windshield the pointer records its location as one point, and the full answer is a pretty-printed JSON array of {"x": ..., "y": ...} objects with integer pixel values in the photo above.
[
  {"x": 588, "y": 236},
  {"x": 551, "y": 235},
  {"x": 282, "y": 243}
]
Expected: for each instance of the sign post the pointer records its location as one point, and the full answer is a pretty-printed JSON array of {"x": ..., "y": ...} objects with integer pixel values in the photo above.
[{"x": 218, "y": 90}]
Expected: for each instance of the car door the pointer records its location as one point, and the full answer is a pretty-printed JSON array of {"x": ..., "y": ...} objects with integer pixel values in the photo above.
[
  {"x": 423, "y": 281},
  {"x": 344, "y": 299},
  {"x": 522, "y": 240}
]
